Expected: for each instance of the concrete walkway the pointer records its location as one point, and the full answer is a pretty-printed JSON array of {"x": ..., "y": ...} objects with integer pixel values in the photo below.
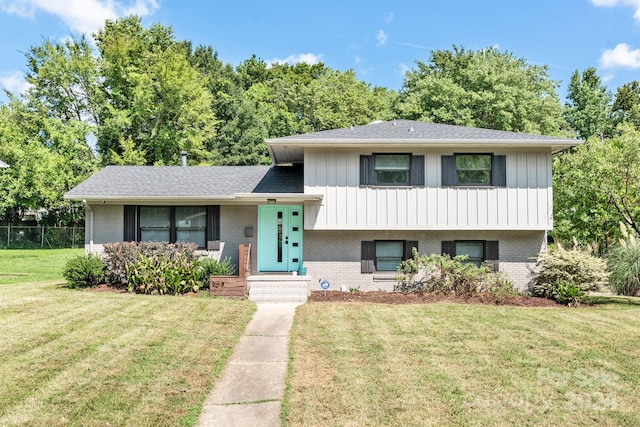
[{"x": 251, "y": 389}]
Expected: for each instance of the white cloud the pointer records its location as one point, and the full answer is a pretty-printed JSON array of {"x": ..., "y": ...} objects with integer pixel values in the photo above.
[
  {"x": 621, "y": 56},
  {"x": 611, "y": 3},
  {"x": 82, "y": 16},
  {"x": 417, "y": 46},
  {"x": 607, "y": 78},
  {"x": 402, "y": 69},
  {"x": 382, "y": 38},
  {"x": 388, "y": 17},
  {"x": 308, "y": 58},
  {"x": 14, "y": 82}
]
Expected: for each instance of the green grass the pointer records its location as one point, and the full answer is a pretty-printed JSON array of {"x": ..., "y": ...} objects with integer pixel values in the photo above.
[
  {"x": 87, "y": 358},
  {"x": 33, "y": 265},
  {"x": 356, "y": 364}
]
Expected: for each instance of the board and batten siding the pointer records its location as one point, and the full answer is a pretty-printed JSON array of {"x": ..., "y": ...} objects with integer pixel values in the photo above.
[{"x": 525, "y": 203}]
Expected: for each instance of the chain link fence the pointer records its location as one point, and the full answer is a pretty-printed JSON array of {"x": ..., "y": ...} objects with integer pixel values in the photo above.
[{"x": 24, "y": 237}]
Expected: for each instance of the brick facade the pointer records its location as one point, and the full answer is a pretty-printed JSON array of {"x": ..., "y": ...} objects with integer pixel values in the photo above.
[{"x": 335, "y": 255}]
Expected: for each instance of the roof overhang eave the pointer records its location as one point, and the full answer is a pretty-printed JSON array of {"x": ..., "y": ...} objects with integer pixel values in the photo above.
[
  {"x": 279, "y": 197},
  {"x": 419, "y": 142},
  {"x": 93, "y": 198}
]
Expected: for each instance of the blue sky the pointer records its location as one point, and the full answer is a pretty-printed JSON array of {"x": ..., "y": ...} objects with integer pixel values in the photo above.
[{"x": 380, "y": 40}]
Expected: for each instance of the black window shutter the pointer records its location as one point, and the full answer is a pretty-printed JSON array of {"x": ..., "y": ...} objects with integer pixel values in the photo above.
[
  {"x": 408, "y": 248},
  {"x": 130, "y": 224},
  {"x": 448, "y": 171},
  {"x": 449, "y": 248},
  {"x": 491, "y": 249},
  {"x": 366, "y": 170},
  {"x": 213, "y": 222},
  {"x": 499, "y": 171},
  {"x": 417, "y": 170},
  {"x": 368, "y": 256}
]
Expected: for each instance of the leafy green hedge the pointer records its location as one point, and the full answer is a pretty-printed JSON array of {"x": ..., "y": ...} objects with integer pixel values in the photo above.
[{"x": 160, "y": 268}]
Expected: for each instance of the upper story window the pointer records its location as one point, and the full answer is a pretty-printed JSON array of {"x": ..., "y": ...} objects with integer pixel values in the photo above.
[
  {"x": 392, "y": 169},
  {"x": 474, "y": 170}
]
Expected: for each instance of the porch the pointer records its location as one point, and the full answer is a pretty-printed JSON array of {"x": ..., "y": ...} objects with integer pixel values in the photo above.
[{"x": 260, "y": 287}]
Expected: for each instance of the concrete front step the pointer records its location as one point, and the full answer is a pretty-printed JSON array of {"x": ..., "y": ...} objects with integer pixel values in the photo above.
[{"x": 278, "y": 288}]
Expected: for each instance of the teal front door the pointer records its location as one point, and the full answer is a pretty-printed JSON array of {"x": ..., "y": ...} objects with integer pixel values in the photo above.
[{"x": 279, "y": 238}]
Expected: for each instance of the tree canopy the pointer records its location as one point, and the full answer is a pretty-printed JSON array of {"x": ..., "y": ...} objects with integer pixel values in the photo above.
[
  {"x": 139, "y": 96},
  {"x": 484, "y": 88}
]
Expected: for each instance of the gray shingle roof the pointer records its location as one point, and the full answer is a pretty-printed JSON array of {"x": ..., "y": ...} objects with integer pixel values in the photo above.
[
  {"x": 418, "y": 131},
  {"x": 188, "y": 182},
  {"x": 408, "y": 133}
]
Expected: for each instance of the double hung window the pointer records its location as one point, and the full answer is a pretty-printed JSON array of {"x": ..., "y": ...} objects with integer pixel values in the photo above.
[
  {"x": 392, "y": 169},
  {"x": 194, "y": 224},
  {"x": 385, "y": 255},
  {"x": 474, "y": 170}
]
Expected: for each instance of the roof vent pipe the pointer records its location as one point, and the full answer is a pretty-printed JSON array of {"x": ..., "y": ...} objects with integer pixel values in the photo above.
[{"x": 184, "y": 158}]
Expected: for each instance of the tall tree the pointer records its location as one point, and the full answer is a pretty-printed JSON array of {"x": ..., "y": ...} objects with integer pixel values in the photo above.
[
  {"x": 626, "y": 104},
  {"x": 589, "y": 104},
  {"x": 306, "y": 98},
  {"x": 154, "y": 96},
  {"x": 596, "y": 187},
  {"x": 64, "y": 80},
  {"x": 239, "y": 132},
  {"x": 47, "y": 157},
  {"x": 484, "y": 88}
]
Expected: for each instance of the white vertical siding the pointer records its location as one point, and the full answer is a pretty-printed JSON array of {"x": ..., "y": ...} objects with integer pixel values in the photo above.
[{"x": 525, "y": 203}]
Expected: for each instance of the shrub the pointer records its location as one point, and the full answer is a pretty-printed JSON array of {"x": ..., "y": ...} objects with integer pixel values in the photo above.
[
  {"x": 624, "y": 264},
  {"x": 445, "y": 275},
  {"x": 211, "y": 267},
  {"x": 120, "y": 255},
  {"x": 163, "y": 274},
  {"x": 569, "y": 294},
  {"x": 84, "y": 271},
  {"x": 565, "y": 275},
  {"x": 567, "y": 271}
]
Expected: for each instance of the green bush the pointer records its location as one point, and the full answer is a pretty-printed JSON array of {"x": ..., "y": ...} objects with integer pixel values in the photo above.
[
  {"x": 211, "y": 267},
  {"x": 624, "y": 264},
  {"x": 569, "y": 294},
  {"x": 565, "y": 272},
  {"x": 445, "y": 275},
  {"x": 120, "y": 255},
  {"x": 84, "y": 271},
  {"x": 162, "y": 274}
]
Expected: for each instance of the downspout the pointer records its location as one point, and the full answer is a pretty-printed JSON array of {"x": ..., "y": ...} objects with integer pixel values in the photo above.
[{"x": 90, "y": 218}]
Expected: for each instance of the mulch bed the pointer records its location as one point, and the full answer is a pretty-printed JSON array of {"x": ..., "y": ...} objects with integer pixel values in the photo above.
[{"x": 379, "y": 297}]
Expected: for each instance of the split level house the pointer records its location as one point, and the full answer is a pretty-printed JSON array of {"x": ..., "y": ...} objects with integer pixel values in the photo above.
[{"x": 344, "y": 207}]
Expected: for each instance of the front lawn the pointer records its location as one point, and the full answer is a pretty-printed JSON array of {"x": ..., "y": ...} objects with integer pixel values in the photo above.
[
  {"x": 32, "y": 265},
  {"x": 357, "y": 364},
  {"x": 88, "y": 358}
]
